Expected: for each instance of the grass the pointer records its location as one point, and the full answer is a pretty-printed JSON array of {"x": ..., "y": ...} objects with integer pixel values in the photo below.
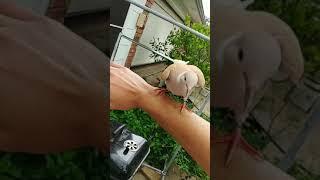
[
  {"x": 80, "y": 164},
  {"x": 224, "y": 124}
]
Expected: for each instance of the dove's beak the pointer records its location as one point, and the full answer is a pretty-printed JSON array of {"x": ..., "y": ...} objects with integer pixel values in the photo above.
[{"x": 189, "y": 90}]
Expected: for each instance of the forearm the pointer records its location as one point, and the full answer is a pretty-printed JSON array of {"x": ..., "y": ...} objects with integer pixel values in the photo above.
[{"x": 189, "y": 130}]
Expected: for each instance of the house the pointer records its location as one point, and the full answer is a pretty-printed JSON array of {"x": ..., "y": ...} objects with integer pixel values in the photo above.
[{"x": 142, "y": 26}]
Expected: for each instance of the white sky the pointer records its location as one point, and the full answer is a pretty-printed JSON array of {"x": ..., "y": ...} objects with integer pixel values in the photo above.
[{"x": 206, "y": 8}]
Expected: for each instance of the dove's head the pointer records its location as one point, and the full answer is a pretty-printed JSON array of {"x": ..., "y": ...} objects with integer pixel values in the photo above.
[
  {"x": 244, "y": 62},
  {"x": 189, "y": 79}
]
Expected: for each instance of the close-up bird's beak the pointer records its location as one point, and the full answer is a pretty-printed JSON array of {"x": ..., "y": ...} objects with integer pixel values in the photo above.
[{"x": 187, "y": 90}]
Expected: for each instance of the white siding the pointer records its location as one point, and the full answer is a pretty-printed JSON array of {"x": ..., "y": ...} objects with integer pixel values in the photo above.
[{"x": 129, "y": 30}]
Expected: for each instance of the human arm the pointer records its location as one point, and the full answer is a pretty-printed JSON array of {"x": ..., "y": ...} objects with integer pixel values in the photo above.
[
  {"x": 190, "y": 130},
  {"x": 52, "y": 86}
]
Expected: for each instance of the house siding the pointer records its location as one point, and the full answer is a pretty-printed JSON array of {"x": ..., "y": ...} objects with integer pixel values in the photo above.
[{"x": 155, "y": 27}]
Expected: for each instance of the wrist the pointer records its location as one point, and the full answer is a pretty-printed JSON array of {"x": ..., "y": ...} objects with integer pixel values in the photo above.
[{"x": 145, "y": 97}]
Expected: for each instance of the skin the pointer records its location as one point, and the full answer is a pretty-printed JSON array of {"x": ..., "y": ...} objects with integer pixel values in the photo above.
[
  {"x": 52, "y": 96},
  {"x": 190, "y": 130}
]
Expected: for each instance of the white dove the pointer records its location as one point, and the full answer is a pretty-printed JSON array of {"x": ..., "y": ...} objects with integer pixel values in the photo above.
[
  {"x": 181, "y": 79},
  {"x": 250, "y": 48}
]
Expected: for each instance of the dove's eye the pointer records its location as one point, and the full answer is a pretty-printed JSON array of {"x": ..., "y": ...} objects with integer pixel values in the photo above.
[
  {"x": 240, "y": 55},
  {"x": 185, "y": 78}
]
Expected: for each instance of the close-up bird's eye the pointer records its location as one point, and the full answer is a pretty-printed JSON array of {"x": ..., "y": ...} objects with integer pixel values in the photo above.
[
  {"x": 240, "y": 55},
  {"x": 185, "y": 78}
]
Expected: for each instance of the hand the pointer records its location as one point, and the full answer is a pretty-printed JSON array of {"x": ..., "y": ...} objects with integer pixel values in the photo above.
[
  {"x": 126, "y": 88},
  {"x": 52, "y": 92},
  {"x": 38, "y": 37}
]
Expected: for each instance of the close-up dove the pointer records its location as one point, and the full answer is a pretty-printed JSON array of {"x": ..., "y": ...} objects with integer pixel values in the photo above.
[
  {"x": 250, "y": 48},
  {"x": 181, "y": 79}
]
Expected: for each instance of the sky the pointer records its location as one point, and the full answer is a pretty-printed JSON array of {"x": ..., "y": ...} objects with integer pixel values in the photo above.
[{"x": 206, "y": 8}]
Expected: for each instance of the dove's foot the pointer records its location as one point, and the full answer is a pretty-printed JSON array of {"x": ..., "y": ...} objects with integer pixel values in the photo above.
[
  {"x": 183, "y": 106},
  {"x": 161, "y": 91},
  {"x": 237, "y": 141}
]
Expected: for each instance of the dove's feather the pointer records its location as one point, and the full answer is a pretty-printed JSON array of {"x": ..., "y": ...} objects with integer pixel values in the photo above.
[
  {"x": 201, "y": 80},
  {"x": 176, "y": 61},
  {"x": 165, "y": 74},
  {"x": 173, "y": 74}
]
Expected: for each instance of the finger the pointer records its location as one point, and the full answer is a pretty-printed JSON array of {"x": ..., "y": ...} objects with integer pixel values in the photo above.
[
  {"x": 15, "y": 11},
  {"x": 116, "y": 65},
  {"x": 113, "y": 69}
]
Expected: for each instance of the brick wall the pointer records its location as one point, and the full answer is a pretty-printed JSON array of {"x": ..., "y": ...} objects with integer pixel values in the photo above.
[{"x": 137, "y": 36}]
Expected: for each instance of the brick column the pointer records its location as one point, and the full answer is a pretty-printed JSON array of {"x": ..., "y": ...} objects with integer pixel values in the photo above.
[
  {"x": 57, "y": 10},
  {"x": 137, "y": 36}
]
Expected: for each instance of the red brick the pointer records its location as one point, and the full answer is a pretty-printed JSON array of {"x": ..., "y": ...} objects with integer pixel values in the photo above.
[
  {"x": 132, "y": 50},
  {"x": 148, "y": 4},
  {"x": 140, "y": 30},
  {"x": 133, "y": 45},
  {"x": 131, "y": 55},
  {"x": 138, "y": 36},
  {"x": 128, "y": 62}
]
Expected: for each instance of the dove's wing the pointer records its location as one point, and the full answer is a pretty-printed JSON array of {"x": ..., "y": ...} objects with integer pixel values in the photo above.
[
  {"x": 165, "y": 74},
  {"x": 201, "y": 80},
  {"x": 292, "y": 58}
]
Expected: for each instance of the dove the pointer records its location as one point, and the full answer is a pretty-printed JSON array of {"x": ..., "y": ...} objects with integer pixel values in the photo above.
[
  {"x": 181, "y": 79},
  {"x": 250, "y": 48}
]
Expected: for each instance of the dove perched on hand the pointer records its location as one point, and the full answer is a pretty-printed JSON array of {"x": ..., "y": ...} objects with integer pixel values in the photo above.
[
  {"x": 251, "y": 47},
  {"x": 181, "y": 79}
]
